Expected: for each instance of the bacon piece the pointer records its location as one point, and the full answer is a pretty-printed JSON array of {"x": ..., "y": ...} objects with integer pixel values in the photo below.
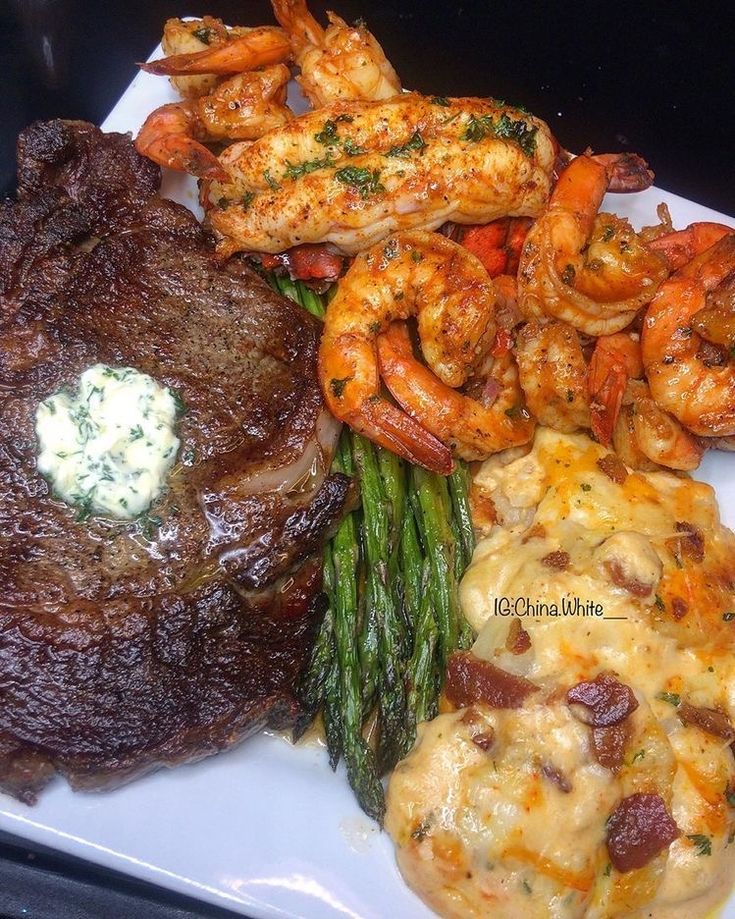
[
  {"x": 613, "y": 467},
  {"x": 608, "y": 745},
  {"x": 558, "y": 560},
  {"x": 557, "y": 777},
  {"x": 710, "y": 720},
  {"x": 621, "y": 578},
  {"x": 679, "y": 608},
  {"x": 606, "y": 701},
  {"x": 470, "y": 680},
  {"x": 518, "y": 641},
  {"x": 638, "y": 829},
  {"x": 692, "y": 541}
]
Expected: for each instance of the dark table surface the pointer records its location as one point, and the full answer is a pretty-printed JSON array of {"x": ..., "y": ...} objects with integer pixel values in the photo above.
[{"x": 655, "y": 78}]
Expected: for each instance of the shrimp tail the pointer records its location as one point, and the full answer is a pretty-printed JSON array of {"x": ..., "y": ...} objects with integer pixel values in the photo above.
[
  {"x": 387, "y": 425},
  {"x": 615, "y": 360},
  {"x": 166, "y": 139},
  {"x": 626, "y": 172}
]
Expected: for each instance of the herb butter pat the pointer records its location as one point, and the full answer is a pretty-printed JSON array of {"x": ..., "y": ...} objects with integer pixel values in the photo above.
[{"x": 108, "y": 447}]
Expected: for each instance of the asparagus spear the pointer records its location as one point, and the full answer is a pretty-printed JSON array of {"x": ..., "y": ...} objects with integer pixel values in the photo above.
[
  {"x": 423, "y": 673},
  {"x": 380, "y": 597},
  {"x": 359, "y": 758}
]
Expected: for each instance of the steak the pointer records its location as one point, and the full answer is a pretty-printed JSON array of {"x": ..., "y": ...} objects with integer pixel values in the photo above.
[{"x": 129, "y": 645}]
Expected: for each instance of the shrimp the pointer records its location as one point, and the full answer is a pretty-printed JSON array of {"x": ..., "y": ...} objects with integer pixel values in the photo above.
[
  {"x": 647, "y": 437},
  {"x": 242, "y": 49},
  {"x": 681, "y": 246},
  {"x": 615, "y": 360},
  {"x": 187, "y": 37},
  {"x": 684, "y": 379},
  {"x": 489, "y": 418},
  {"x": 169, "y": 138},
  {"x": 355, "y": 172},
  {"x": 589, "y": 270},
  {"x": 242, "y": 107},
  {"x": 553, "y": 374},
  {"x": 341, "y": 62},
  {"x": 412, "y": 274}
]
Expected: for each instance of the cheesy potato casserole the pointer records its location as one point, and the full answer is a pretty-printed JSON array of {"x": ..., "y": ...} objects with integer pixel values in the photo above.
[{"x": 582, "y": 763}]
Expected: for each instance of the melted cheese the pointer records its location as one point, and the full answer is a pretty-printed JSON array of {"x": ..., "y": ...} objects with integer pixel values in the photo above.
[
  {"x": 484, "y": 832},
  {"x": 108, "y": 447}
]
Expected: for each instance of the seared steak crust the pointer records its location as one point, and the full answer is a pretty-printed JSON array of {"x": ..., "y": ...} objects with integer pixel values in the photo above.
[{"x": 129, "y": 645}]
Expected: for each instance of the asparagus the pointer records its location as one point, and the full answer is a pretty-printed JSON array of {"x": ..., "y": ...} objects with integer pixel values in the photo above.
[
  {"x": 382, "y": 599},
  {"x": 359, "y": 758},
  {"x": 415, "y": 532},
  {"x": 431, "y": 505}
]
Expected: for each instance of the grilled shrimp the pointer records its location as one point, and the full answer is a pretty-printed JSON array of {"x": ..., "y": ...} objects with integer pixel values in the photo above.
[
  {"x": 490, "y": 417},
  {"x": 681, "y": 246},
  {"x": 242, "y": 107},
  {"x": 239, "y": 50},
  {"x": 354, "y": 173},
  {"x": 647, "y": 437},
  {"x": 589, "y": 270},
  {"x": 690, "y": 377},
  {"x": 615, "y": 360},
  {"x": 553, "y": 374},
  {"x": 411, "y": 274},
  {"x": 180, "y": 37},
  {"x": 337, "y": 63}
]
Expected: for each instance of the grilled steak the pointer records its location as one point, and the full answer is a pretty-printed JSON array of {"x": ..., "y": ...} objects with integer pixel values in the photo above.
[{"x": 125, "y": 646}]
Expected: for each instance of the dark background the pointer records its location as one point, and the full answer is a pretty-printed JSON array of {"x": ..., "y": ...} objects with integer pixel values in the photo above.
[{"x": 655, "y": 78}]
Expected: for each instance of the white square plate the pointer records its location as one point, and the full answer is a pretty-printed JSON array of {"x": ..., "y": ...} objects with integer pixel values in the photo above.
[{"x": 266, "y": 829}]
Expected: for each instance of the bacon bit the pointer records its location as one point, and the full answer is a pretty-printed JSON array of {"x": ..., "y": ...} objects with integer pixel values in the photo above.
[
  {"x": 518, "y": 641},
  {"x": 558, "y": 560},
  {"x": 471, "y": 680},
  {"x": 608, "y": 745},
  {"x": 606, "y": 701},
  {"x": 502, "y": 344},
  {"x": 710, "y": 720},
  {"x": 692, "y": 541},
  {"x": 537, "y": 531},
  {"x": 638, "y": 829},
  {"x": 620, "y": 579},
  {"x": 482, "y": 506},
  {"x": 613, "y": 467},
  {"x": 557, "y": 777},
  {"x": 679, "y": 608},
  {"x": 484, "y": 740}
]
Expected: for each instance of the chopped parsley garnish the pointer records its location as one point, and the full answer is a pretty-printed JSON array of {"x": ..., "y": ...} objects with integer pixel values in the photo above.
[
  {"x": 504, "y": 128},
  {"x": 439, "y": 100},
  {"x": 608, "y": 869},
  {"x": 608, "y": 234},
  {"x": 416, "y": 142},
  {"x": 203, "y": 34},
  {"x": 673, "y": 698},
  {"x": 660, "y": 603},
  {"x": 328, "y": 134},
  {"x": 270, "y": 181},
  {"x": 585, "y": 486},
  {"x": 639, "y": 755},
  {"x": 247, "y": 199},
  {"x": 527, "y": 887},
  {"x": 351, "y": 148},
  {"x": 366, "y": 181},
  {"x": 296, "y": 170},
  {"x": 136, "y": 432},
  {"x": 702, "y": 842},
  {"x": 338, "y": 386}
]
